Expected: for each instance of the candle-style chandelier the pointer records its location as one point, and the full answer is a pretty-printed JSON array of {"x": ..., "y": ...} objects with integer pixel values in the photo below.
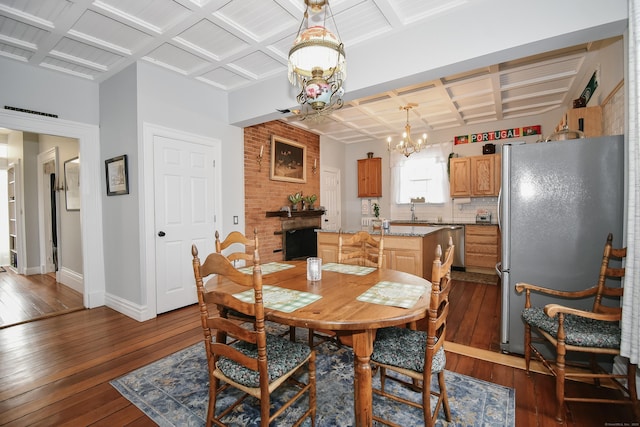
[
  {"x": 407, "y": 145},
  {"x": 317, "y": 63}
]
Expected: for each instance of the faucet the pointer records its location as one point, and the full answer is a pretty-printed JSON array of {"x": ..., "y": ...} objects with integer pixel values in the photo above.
[{"x": 415, "y": 200}]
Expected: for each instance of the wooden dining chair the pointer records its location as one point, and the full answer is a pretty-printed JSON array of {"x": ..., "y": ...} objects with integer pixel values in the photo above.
[
  {"x": 244, "y": 248},
  {"x": 246, "y": 357},
  {"x": 413, "y": 356},
  {"x": 594, "y": 333},
  {"x": 361, "y": 249},
  {"x": 240, "y": 240}
]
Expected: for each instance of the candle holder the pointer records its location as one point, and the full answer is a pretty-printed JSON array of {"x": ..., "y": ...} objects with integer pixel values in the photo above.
[
  {"x": 259, "y": 158},
  {"x": 314, "y": 168}
]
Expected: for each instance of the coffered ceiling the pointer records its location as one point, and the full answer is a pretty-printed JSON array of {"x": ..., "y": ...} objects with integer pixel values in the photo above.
[{"x": 232, "y": 44}]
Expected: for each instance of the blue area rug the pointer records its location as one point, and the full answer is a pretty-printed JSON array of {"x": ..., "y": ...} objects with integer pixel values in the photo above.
[{"x": 174, "y": 392}]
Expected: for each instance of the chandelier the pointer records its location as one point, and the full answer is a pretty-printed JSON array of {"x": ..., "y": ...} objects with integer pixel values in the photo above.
[
  {"x": 407, "y": 145},
  {"x": 317, "y": 64}
]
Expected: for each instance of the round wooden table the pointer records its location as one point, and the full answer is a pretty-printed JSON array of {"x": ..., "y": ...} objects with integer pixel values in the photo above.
[{"x": 339, "y": 310}]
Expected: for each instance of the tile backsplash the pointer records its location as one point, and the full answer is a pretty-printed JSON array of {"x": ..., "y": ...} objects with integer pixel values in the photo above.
[{"x": 454, "y": 211}]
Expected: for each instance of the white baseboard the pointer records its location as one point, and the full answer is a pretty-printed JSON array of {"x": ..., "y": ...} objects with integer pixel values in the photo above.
[
  {"x": 72, "y": 279},
  {"x": 135, "y": 311},
  {"x": 31, "y": 270}
]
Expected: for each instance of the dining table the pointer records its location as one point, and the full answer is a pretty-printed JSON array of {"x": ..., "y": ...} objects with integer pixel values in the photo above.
[{"x": 351, "y": 300}]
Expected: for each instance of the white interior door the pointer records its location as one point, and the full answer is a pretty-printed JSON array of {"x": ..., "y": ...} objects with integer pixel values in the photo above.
[
  {"x": 184, "y": 190},
  {"x": 330, "y": 198}
]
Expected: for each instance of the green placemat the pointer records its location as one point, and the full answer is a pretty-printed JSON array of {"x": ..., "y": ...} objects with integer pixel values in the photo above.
[
  {"x": 393, "y": 293},
  {"x": 268, "y": 268},
  {"x": 281, "y": 299},
  {"x": 348, "y": 268}
]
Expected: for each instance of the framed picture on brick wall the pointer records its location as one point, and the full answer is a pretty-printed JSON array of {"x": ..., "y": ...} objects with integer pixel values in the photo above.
[{"x": 288, "y": 160}]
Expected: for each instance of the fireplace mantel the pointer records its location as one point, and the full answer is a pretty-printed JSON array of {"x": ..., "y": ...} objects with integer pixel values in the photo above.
[{"x": 295, "y": 214}]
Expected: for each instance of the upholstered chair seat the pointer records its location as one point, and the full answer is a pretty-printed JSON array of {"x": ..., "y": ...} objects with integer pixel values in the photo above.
[
  {"x": 282, "y": 356},
  {"x": 580, "y": 331},
  {"x": 405, "y": 349}
]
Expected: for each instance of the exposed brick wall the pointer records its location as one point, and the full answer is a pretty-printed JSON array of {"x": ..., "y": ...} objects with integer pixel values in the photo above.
[{"x": 262, "y": 194}]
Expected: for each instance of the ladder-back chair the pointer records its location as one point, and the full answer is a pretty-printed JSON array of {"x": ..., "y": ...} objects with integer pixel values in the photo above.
[
  {"x": 418, "y": 355},
  {"x": 243, "y": 355},
  {"x": 593, "y": 333}
]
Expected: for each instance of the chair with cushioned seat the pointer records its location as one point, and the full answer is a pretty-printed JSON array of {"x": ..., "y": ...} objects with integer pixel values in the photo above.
[
  {"x": 593, "y": 333},
  {"x": 236, "y": 240},
  {"x": 417, "y": 355},
  {"x": 246, "y": 357},
  {"x": 359, "y": 249}
]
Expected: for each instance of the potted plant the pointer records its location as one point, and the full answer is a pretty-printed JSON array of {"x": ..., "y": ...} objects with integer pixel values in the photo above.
[
  {"x": 377, "y": 223},
  {"x": 376, "y": 210},
  {"x": 310, "y": 200},
  {"x": 295, "y": 199}
]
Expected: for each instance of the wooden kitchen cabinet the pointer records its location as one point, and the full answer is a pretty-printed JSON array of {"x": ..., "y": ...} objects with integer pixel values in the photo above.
[
  {"x": 485, "y": 172},
  {"x": 476, "y": 176},
  {"x": 460, "y": 177},
  {"x": 370, "y": 177},
  {"x": 481, "y": 248},
  {"x": 592, "y": 119}
]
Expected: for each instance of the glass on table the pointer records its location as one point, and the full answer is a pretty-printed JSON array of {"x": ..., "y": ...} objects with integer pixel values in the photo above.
[{"x": 314, "y": 269}]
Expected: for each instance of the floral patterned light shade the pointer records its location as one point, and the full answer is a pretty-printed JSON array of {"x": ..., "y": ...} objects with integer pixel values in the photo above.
[{"x": 317, "y": 64}]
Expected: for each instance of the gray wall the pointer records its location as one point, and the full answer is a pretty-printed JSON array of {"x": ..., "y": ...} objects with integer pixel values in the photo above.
[
  {"x": 120, "y": 214},
  {"x": 147, "y": 94},
  {"x": 38, "y": 89}
]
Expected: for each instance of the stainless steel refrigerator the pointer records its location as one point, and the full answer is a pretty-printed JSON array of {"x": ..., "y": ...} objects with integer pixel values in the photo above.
[{"x": 558, "y": 202}]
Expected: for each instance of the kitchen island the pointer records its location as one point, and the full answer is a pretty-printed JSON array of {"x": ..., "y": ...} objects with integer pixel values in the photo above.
[{"x": 406, "y": 248}]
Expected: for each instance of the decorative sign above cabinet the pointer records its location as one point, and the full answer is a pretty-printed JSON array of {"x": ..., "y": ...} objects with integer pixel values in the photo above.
[{"x": 497, "y": 135}]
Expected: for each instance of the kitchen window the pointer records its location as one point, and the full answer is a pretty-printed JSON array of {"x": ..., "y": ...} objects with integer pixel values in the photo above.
[{"x": 422, "y": 174}]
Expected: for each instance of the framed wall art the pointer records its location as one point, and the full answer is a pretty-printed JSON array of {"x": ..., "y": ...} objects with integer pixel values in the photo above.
[
  {"x": 288, "y": 160},
  {"x": 72, "y": 184},
  {"x": 117, "y": 175}
]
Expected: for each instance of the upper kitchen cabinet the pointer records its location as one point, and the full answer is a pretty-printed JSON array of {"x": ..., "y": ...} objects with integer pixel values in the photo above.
[
  {"x": 370, "y": 177},
  {"x": 460, "y": 177},
  {"x": 591, "y": 121},
  {"x": 476, "y": 176},
  {"x": 485, "y": 175}
]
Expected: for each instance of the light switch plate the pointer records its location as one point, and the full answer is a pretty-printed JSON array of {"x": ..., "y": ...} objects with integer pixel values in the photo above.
[{"x": 235, "y": 219}]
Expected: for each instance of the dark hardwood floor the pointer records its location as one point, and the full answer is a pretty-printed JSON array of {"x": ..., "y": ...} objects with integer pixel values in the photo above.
[{"x": 56, "y": 371}]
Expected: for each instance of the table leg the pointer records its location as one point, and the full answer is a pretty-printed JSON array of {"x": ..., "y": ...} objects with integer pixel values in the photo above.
[{"x": 362, "y": 349}]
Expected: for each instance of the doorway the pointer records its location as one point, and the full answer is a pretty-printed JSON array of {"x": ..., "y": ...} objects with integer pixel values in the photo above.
[
  {"x": 330, "y": 196},
  {"x": 90, "y": 214},
  {"x": 168, "y": 264}
]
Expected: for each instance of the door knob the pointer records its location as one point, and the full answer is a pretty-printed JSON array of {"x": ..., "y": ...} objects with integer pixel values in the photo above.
[{"x": 161, "y": 233}]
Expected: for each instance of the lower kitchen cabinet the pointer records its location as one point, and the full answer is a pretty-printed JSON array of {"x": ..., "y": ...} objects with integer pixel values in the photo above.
[
  {"x": 411, "y": 254},
  {"x": 481, "y": 248}
]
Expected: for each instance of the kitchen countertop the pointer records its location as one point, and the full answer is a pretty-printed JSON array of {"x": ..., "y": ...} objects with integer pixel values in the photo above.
[{"x": 397, "y": 230}]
